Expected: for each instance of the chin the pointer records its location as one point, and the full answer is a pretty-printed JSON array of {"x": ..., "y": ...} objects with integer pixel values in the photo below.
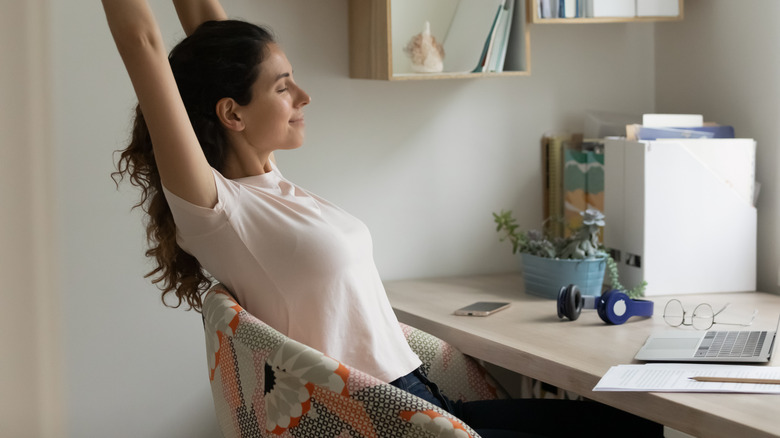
[{"x": 293, "y": 146}]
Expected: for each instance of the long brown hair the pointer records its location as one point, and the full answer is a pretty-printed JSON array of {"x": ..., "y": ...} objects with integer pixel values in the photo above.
[{"x": 220, "y": 59}]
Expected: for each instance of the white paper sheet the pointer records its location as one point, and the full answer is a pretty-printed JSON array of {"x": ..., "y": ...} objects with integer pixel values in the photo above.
[{"x": 676, "y": 378}]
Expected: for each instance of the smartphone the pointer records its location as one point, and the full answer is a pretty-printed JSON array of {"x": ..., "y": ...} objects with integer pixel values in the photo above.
[{"x": 481, "y": 308}]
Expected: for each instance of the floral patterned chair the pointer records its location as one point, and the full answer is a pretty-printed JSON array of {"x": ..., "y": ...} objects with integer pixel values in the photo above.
[{"x": 267, "y": 385}]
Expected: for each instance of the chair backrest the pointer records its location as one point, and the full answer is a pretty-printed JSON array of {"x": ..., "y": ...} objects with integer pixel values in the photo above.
[{"x": 265, "y": 385}]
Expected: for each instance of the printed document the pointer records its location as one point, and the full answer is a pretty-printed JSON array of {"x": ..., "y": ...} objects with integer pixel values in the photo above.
[{"x": 668, "y": 377}]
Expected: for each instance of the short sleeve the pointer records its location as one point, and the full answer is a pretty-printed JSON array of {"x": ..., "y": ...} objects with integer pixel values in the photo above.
[{"x": 192, "y": 220}]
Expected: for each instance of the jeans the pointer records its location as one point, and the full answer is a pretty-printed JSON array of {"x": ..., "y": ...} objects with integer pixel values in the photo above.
[{"x": 532, "y": 417}]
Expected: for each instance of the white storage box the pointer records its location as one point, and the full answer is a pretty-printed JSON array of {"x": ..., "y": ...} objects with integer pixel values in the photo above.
[{"x": 681, "y": 214}]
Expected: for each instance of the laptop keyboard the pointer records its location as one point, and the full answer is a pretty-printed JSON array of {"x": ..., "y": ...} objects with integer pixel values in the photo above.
[{"x": 731, "y": 344}]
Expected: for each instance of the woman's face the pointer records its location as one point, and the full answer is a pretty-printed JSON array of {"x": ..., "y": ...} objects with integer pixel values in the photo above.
[{"x": 274, "y": 116}]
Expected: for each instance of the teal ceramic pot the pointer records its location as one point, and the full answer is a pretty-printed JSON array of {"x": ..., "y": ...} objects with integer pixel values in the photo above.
[{"x": 544, "y": 277}]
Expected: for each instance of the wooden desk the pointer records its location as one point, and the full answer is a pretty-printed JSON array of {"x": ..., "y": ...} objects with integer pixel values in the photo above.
[{"x": 528, "y": 338}]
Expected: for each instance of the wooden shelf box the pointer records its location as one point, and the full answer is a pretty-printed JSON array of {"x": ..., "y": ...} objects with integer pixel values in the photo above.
[{"x": 372, "y": 46}]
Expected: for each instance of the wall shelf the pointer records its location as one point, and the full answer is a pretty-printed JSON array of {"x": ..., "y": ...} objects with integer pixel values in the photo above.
[
  {"x": 373, "y": 54},
  {"x": 371, "y": 44}
]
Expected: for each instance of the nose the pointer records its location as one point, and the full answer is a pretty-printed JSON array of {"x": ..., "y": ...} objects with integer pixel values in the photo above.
[{"x": 303, "y": 98}]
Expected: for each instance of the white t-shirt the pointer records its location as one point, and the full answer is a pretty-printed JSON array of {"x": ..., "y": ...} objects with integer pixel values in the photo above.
[{"x": 301, "y": 265}]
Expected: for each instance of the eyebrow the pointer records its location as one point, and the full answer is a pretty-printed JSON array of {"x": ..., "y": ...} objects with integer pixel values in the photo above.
[{"x": 281, "y": 76}]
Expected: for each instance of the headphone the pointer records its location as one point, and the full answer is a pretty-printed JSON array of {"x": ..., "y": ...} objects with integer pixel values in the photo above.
[{"x": 614, "y": 307}]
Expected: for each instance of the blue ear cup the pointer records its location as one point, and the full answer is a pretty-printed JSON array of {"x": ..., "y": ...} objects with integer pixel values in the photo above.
[{"x": 613, "y": 307}]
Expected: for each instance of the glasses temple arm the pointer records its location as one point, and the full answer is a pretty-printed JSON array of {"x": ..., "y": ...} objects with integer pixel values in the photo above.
[
  {"x": 752, "y": 318},
  {"x": 721, "y": 309}
]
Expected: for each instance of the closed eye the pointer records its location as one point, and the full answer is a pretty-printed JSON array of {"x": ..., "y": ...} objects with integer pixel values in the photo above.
[{"x": 283, "y": 78}]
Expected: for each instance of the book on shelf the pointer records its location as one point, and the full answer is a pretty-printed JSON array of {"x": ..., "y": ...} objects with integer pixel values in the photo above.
[
  {"x": 496, "y": 47},
  {"x": 489, "y": 46},
  {"x": 481, "y": 37},
  {"x": 657, "y": 8},
  {"x": 610, "y": 8},
  {"x": 546, "y": 8},
  {"x": 552, "y": 182},
  {"x": 495, "y": 62},
  {"x": 568, "y": 9},
  {"x": 472, "y": 26},
  {"x": 708, "y": 130},
  {"x": 607, "y": 8},
  {"x": 664, "y": 126},
  {"x": 573, "y": 180},
  {"x": 583, "y": 180}
]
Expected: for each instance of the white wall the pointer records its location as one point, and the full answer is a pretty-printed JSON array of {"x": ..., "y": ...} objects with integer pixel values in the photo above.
[
  {"x": 723, "y": 62},
  {"x": 422, "y": 163}
]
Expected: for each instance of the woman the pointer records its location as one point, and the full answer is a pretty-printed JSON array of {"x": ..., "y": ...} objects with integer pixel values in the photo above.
[{"x": 210, "y": 117}]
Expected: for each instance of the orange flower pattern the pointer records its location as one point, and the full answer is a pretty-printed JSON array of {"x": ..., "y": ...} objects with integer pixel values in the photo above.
[
  {"x": 267, "y": 385},
  {"x": 436, "y": 423},
  {"x": 295, "y": 369}
]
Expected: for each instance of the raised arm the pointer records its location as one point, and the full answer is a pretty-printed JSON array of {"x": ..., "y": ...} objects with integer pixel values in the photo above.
[
  {"x": 194, "y": 12},
  {"x": 182, "y": 165}
]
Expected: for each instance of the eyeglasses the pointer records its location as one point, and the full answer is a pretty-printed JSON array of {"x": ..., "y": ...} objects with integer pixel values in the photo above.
[{"x": 702, "y": 318}]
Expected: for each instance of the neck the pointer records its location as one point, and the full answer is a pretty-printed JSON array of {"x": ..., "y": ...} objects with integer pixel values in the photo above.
[{"x": 242, "y": 165}]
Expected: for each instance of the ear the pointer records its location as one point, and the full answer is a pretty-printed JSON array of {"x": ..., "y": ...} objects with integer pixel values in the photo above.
[{"x": 228, "y": 113}]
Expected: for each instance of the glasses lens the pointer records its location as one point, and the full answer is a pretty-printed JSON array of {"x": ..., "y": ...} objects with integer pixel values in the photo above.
[
  {"x": 703, "y": 317},
  {"x": 673, "y": 313}
]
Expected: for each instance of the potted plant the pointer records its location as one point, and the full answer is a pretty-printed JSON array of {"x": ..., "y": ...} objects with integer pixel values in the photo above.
[{"x": 550, "y": 263}]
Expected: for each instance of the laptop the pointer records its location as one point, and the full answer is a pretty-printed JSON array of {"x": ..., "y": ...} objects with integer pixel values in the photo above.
[{"x": 709, "y": 346}]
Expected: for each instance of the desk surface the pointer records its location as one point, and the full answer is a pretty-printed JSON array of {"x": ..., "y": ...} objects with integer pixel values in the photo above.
[{"x": 528, "y": 338}]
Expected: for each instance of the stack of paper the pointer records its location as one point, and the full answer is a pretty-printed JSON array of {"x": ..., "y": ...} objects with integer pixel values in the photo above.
[{"x": 679, "y": 378}]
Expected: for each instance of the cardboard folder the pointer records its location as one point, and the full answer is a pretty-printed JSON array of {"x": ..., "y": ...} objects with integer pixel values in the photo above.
[{"x": 680, "y": 214}]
